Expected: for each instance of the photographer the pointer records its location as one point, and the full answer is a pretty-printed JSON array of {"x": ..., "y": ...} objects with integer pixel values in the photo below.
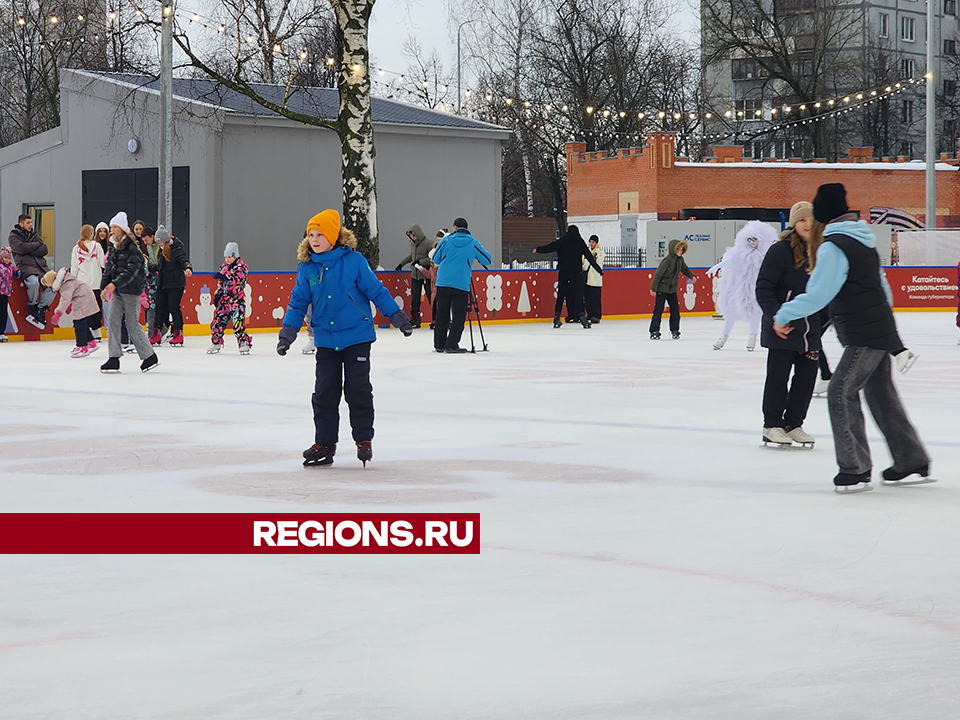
[{"x": 454, "y": 257}]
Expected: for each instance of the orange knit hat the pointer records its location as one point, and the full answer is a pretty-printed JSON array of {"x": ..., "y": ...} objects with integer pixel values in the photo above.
[{"x": 327, "y": 224}]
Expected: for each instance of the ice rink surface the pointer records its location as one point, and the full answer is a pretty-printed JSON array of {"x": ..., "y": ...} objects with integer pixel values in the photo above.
[{"x": 642, "y": 556}]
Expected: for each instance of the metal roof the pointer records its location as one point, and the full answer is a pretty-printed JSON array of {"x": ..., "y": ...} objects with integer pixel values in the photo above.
[{"x": 314, "y": 101}]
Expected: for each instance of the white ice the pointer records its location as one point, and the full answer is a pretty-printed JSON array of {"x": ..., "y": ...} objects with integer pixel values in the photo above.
[{"x": 642, "y": 556}]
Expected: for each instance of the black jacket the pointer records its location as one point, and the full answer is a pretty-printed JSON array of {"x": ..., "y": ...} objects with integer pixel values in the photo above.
[
  {"x": 779, "y": 281},
  {"x": 571, "y": 251},
  {"x": 172, "y": 274},
  {"x": 126, "y": 268}
]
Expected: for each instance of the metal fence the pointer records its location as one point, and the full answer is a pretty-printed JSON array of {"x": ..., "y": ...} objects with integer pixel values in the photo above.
[{"x": 614, "y": 257}]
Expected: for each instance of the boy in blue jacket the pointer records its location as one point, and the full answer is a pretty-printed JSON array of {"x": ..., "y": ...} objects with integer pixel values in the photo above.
[
  {"x": 338, "y": 283},
  {"x": 454, "y": 257}
]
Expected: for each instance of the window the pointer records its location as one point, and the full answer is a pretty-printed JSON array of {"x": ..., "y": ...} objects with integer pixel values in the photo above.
[
  {"x": 949, "y": 47},
  {"x": 884, "y": 25},
  {"x": 43, "y": 225},
  {"x": 908, "y": 27},
  {"x": 749, "y": 107},
  {"x": 949, "y": 7},
  {"x": 907, "y": 111},
  {"x": 907, "y": 68},
  {"x": 746, "y": 69},
  {"x": 949, "y": 87}
]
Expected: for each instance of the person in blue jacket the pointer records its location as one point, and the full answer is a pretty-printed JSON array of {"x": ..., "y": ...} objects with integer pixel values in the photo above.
[
  {"x": 454, "y": 257},
  {"x": 847, "y": 275},
  {"x": 338, "y": 283}
]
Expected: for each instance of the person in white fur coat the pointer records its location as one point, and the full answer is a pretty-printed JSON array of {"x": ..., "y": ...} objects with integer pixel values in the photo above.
[{"x": 738, "y": 281}]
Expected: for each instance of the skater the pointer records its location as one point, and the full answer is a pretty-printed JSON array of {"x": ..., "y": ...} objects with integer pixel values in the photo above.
[
  {"x": 738, "y": 281},
  {"x": 174, "y": 270},
  {"x": 102, "y": 235},
  {"x": 8, "y": 271},
  {"x": 122, "y": 283},
  {"x": 417, "y": 258},
  {"x": 76, "y": 299},
  {"x": 151, "y": 251},
  {"x": 571, "y": 252},
  {"x": 594, "y": 284},
  {"x": 338, "y": 282},
  {"x": 663, "y": 287},
  {"x": 783, "y": 274},
  {"x": 454, "y": 257},
  {"x": 847, "y": 274},
  {"x": 29, "y": 255},
  {"x": 86, "y": 264},
  {"x": 230, "y": 301}
]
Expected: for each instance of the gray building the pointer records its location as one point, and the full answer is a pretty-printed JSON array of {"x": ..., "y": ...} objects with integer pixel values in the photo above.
[
  {"x": 882, "y": 42},
  {"x": 243, "y": 173}
]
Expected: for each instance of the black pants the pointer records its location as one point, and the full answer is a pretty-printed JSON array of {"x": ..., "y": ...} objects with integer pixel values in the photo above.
[
  {"x": 569, "y": 288},
  {"x": 168, "y": 303},
  {"x": 346, "y": 370},
  {"x": 825, "y": 322},
  {"x": 449, "y": 300},
  {"x": 591, "y": 295},
  {"x": 4, "y": 300},
  {"x": 96, "y": 321},
  {"x": 81, "y": 329},
  {"x": 783, "y": 406},
  {"x": 416, "y": 287},
  {"x": 671, "y": 300}
]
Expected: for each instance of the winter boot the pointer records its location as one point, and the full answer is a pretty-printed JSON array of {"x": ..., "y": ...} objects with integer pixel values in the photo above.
[
  {"x": 214, "y": 349},
  {"x": 721, "y": 342},
  {"x": 177, "y": 339},
  {"x": 364, "y": 451},
  {"x": 798, "y": 435},
  {"x": 150, "y": 363},
  {"x": 848, "y": 483},
  {"x": 155, "y": 337},
  {"x": 319, "y": 455},
  {"x": 751, "y": 342},
  {"x": 905, "y": 360},
  {"x": 777, "y": 437},
  {"x": 556, "y": 321},
  {"x": 112, "y": 365}
]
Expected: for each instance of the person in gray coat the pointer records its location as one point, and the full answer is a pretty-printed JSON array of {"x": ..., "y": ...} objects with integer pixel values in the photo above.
[{"x": 419, "y": 255}]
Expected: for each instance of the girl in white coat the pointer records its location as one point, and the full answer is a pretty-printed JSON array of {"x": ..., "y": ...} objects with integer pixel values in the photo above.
[{"x": 86, "y": 265}]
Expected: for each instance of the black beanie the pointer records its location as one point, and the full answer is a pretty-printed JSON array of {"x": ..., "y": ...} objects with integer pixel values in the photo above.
[{"x": 830, "y": 202}]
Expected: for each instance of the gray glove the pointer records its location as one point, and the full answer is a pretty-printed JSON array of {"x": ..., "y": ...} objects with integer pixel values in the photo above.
[
  {"x": 287, "y": 337},
  {"x": 402, "y": 322}
]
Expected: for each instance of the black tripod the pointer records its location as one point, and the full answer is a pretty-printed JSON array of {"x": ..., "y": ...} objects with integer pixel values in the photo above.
[{"x": 473, "y": 309}]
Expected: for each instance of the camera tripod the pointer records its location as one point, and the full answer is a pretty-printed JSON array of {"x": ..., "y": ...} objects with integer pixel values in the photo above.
[{"x": 473, "y": 309}]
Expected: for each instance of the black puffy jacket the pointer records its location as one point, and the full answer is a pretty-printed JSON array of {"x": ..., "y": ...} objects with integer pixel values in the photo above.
[
  {"x": 780, "y": 280},
  {"x": 126, "y": 268},
  {"x": 172, "y": 271}
]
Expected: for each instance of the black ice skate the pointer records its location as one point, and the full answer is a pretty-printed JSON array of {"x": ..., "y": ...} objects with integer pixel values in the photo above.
[
  {"x": 845, "y": 483},
  {"x": 112, "y": 365},
  {"x": 150, "y": 363},
  {"x": 654, "y": 336},
  {"x": 556, "y": 322},
  {"x": 319, "y": 455},
  {"x": 676, "y": 335},
  {"x": 585, "y": 322},
  {"x": 364, "y": 451},
  {"x": 892, "y": 476}
]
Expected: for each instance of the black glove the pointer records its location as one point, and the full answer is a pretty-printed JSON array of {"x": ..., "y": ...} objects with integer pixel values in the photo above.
[
  {"x": 152, "y": 268},
  {"x": 219, "y": 276},
  {"x": 402, "y": 322},
  {"x": 287, "y": 337},
  {"x": 399, "y": 267},
  {"x": 217, "y": 297}
]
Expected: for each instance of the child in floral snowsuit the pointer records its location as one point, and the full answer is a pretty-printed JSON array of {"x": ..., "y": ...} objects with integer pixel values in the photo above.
[
  {"x": 8, "y": 271},
  {"x": 230, "y": 301}
]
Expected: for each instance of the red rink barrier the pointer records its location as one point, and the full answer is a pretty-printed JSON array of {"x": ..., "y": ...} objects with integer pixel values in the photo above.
[{"x": 239, "y": 533}]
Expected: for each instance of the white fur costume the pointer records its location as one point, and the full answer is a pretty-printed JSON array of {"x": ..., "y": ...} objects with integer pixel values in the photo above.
[{"x": 738, "y": 281}]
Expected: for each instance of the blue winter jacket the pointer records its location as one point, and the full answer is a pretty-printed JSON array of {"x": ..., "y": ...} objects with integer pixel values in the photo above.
[
  {"x": 454, "y": 258},
  {"x": 340, "y": 286}
]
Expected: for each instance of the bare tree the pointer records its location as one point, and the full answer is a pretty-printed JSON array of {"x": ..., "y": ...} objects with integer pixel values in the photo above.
[{"x": 425, "y": 80}]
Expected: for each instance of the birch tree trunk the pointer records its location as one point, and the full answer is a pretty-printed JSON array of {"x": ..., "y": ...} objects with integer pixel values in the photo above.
[{"x": 355, "y": 126}]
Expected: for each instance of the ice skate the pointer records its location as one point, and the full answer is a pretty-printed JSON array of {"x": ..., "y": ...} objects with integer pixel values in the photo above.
[
  {"x": 676, "y": 335},
  {"x": 845, "y": 483},
  {"x": 214, "y": 349},
  {"x": 820, "y": 389},
  {"x": 177, "y": 340},
  {"x": 718, "y": 345},
  {"x": 364, "y": 451},
  {"x": 751, "y": 342},
  {"x": 3, "y": 338},
  {"x": 97, "y": 335},
  {"x": 594, "y": 321},
  {"x": 319, "y": 455},
  {"x": 570, "y": 320},
  {"x": 150, "y": 363},
  {"x": 801, "y": 437},
  {"x": 654, "y": 336},
  {"x": 905, "y": 360},
  {"x": 38, "y": 324},
  {"x": 245, "y": 348},
  {"x": 92, "y": 347},
  {"x": 112, "y": 365},
  {"x": 129, "y": 348},
  {"x": 892, "y": 476},
  {"x": 79, "y": 352},
  {"x": 155, "y": 338},
  {"x": 309, "y": 348},
  {"x": 585, "y": 322},
  {"x": 776, "y": 437},
  {"x": 556, "y": 321}
]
